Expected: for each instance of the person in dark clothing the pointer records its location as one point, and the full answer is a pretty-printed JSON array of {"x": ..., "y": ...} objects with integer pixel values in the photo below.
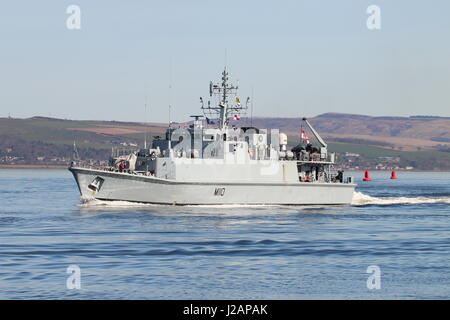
[{"x": 340, "y": 176}]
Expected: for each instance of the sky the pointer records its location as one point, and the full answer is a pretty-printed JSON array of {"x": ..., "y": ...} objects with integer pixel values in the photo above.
[{"x": 300, "y": 58}]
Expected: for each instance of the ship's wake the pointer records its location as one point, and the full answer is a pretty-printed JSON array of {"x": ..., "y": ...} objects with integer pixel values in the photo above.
[
  {"x": 361, "y": 199},
  {"x": 95, "y": 203}
]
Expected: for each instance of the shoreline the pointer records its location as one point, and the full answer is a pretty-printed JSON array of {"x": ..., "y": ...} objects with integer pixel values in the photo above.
[
  {"x": 39, "y": 166},
  {"x": 32, "y": 166}
]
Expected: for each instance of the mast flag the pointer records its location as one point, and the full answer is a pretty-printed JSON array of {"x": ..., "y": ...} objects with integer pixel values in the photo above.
[{"x": 305, "y": 136}]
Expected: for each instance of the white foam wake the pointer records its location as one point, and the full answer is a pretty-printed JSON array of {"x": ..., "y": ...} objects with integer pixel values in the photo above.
[
  {"x": 95, "y": 203},
  {"x": 92, "y": 203},
  {"x": 361, "y": 199}
]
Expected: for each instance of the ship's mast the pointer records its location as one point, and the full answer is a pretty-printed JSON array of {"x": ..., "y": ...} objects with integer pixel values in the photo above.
[
  {"x": 224, "y": 104},
  {"x": 223, "y": 110}
]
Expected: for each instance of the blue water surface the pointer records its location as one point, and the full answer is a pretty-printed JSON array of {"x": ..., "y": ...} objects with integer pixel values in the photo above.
[{"x": 132, "y": 251}]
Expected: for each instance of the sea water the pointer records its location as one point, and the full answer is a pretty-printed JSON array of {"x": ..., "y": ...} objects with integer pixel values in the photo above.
[{"x": 53, "y": 245}]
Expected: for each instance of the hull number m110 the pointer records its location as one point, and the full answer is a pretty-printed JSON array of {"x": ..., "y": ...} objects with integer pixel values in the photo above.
[{"x": 219, "y": 192}]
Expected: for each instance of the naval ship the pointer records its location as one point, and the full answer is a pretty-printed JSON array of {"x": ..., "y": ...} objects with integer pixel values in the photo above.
[{"x": 211, "y": 160}]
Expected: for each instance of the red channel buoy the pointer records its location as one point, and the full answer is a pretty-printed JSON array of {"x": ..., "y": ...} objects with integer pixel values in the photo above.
[
  {"x": 394, "y": 175},
  {"x": 367, "y": 176}
]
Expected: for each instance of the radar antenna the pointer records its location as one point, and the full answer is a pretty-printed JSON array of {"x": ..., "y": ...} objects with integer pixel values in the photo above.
[{"x": 227, "y": 103}]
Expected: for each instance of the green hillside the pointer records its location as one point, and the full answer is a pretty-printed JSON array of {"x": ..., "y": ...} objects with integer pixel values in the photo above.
[
  {"x": 64, "y": 132},
  {"x": 370, "y": 155},
  {"x": 24, "y": 141}
]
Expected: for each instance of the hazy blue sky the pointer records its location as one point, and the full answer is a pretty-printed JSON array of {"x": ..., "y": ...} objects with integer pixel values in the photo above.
[{"x": 301, "y": 57}]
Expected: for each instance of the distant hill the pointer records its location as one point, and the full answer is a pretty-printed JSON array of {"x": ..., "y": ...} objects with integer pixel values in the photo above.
[
  {"x": 50, "y": 141},
  {"x": 407, "y": 133},
  {"x": 421, "y": 142}
]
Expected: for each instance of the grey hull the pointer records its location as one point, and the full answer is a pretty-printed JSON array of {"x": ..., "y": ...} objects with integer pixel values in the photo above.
[{"x": 148, "y": 189}]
